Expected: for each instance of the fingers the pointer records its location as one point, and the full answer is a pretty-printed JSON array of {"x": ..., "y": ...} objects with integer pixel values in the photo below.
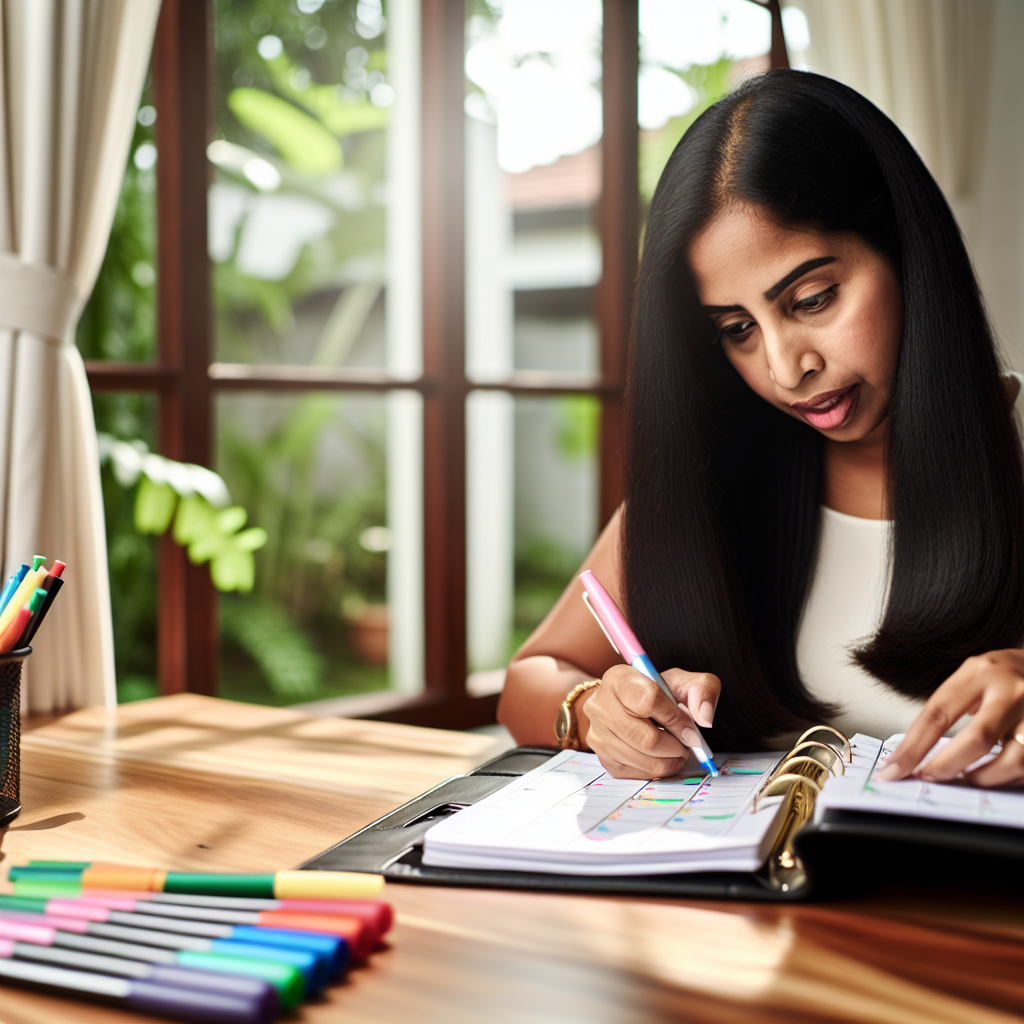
[
  {"x": 698, "y": 692},
  {"x": 991, "y": 688},
  {"x": 643, "y": 700},
  {"x": 1007, "y": 769},
  {"x": 624, "y": 715},
  {"x": 623, "y": 761},
  {"x": 1002, "y": 703},
  {"x": 960, "y": 693}
]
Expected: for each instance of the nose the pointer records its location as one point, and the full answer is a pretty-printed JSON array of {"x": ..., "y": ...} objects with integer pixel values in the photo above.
[{"x": 791, "y": 357}]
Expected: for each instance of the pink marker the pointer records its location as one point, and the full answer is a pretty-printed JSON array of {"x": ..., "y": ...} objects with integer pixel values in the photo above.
[{"x": 614, "y": 626}]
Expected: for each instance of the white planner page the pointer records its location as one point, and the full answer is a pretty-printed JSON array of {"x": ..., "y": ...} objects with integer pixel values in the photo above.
[
  {"x": 860, "y": 790},
  {"x": 569, "y": 815}
]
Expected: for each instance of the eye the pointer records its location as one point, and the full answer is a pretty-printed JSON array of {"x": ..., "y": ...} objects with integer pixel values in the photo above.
[
  {"x": 738, "y": 331},
  {"x": 814, "y": 303}
]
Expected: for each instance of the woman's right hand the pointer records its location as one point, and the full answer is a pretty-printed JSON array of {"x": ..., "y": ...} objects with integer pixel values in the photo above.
[{"x": 619, "y": 728}]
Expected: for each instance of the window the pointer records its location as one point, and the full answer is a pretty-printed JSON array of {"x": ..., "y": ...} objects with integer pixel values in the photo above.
[{"x": 392, "y": 264}]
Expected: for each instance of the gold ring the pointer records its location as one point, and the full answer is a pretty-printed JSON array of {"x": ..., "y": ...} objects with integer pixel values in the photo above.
[{"x": 1018, "y": 737}]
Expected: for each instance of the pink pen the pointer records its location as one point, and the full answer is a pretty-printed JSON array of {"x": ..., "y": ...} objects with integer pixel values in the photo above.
[{"x": 614, "y": 626}]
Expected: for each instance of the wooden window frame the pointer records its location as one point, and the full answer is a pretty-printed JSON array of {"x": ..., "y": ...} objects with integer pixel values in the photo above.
[{"x": 186, "y": 382}]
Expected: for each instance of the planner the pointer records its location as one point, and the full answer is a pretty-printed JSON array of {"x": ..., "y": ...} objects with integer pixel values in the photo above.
[
  {"x": 570, "y": 816},
  {"x": 771, "y": 826}
]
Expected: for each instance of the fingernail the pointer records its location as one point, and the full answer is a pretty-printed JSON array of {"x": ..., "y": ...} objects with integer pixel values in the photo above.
[
  {"x": 689, "y": 738},
  {"x": 707, "y": 714},
  {"x": 890, "y": 772}
]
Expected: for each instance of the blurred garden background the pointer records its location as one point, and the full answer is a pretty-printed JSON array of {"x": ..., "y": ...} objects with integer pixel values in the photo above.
[{"x": 298, "y": 237}]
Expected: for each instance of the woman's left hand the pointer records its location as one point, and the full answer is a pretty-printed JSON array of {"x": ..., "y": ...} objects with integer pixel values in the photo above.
[{"x": 990, "y": 687}]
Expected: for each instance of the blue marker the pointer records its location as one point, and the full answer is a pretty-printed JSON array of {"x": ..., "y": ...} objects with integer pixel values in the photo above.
[{"x": 12, "y": 585}]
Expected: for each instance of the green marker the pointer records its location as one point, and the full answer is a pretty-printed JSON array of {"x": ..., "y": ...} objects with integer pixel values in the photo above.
[{"x": 322, "y": 885}]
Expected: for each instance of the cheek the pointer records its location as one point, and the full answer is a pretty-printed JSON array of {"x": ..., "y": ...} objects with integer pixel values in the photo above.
[
  {"x": 753, "y": 369},
  {"x": 868, "y": 339}
]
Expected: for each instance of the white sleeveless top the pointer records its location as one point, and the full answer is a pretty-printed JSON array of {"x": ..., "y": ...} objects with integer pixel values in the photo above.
[{"x": 844, "y": 608}]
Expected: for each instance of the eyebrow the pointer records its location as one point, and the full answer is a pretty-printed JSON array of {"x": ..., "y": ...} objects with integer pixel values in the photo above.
[{"x": 797, "y": 272}]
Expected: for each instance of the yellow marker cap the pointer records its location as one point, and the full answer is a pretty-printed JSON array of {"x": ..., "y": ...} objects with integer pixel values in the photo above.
[{"x": 326, "y": 885}]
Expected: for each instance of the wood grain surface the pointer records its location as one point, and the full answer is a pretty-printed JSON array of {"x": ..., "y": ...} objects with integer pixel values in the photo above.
[{"x": 196, "y": 783}]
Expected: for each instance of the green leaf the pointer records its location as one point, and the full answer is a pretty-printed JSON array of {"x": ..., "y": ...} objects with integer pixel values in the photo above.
[
  {"x": 208, "y": 546},
  {"x": 252, "y": 539},
  {"x": 196, "y": 518},
  {"x": 300, "y": 139},
  {"x": 154, "y": 506},
  {"x": 341, "y": 116},
  {"x": 231, "y": 520},
  {"x": 349, "y": 118},
  {"x": 282, "y": 651},
  {"x": 233, "y": 569}
]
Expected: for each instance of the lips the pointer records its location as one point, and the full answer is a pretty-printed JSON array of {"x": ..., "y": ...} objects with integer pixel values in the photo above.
[{"x": 831, "y": 409}]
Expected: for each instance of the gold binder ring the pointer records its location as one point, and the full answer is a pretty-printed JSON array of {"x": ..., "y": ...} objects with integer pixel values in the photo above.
[
  {"x": 783, "y": 784},
  {"x": 807, "y": 767},
  {"x": 823, "y": 753},
  {"x": 827, "y": 735}
]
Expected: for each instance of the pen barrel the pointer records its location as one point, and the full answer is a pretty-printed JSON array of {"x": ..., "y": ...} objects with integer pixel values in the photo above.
[
  {"x": 691, "y": 734},
  {"x": 10, "y": 733},
  {"x": 642, "y": 663}
]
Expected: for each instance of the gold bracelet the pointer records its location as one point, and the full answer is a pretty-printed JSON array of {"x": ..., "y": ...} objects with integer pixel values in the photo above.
[{"x": 566, "y": 725}]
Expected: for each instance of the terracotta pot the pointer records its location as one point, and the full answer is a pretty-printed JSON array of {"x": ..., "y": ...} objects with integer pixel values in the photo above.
[{"x": 369, "y": 634}]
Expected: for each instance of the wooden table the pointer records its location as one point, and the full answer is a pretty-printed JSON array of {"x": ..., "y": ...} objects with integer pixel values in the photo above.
[{"x": 202, "y": 784}]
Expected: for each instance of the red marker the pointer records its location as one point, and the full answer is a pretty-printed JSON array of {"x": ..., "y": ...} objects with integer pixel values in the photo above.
[
  {"x": 377, "y": 915},
  {"x": 55, "y": 574}
]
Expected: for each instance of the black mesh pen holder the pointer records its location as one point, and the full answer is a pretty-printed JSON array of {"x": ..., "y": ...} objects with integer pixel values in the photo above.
[{"x": 10, "y": 734}]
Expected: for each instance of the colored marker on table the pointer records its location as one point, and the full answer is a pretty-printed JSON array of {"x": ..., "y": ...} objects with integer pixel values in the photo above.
[
  {"x": 11, "y": 586},
  {"x": 39, "y": 880},
  {"x": 331, "y": 949},
  {"x": 113, "y": 940},
  {"x": 260, "y": 993},
  {"x": 316, "y": 969},
  {"x": 623, "y": 640},
  {"x": 314, "y": 930},
  {"x": 376, "y": 914},
  {"x": 319, "y": 885},
  {"x": 200, "y": 1007}
]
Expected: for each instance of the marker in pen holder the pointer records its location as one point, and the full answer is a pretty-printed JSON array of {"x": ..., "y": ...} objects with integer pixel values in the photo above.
[{"x": 10, "y": 733}]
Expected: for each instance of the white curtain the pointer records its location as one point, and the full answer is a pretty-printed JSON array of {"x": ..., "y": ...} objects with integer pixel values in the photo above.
[
  {"x": 71, "y": 77},
  {"x": 951, "y": 75}
]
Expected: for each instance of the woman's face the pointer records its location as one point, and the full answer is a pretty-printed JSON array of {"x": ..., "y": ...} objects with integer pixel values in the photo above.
[{"x": 811, "y": 321}]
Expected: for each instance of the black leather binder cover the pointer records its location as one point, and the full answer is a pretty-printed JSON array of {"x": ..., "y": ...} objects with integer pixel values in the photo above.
[{"x": 845, "y": 853}]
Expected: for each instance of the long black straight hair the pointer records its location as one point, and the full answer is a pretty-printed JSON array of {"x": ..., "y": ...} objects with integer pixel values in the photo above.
[{"x": 723, "y": 490}]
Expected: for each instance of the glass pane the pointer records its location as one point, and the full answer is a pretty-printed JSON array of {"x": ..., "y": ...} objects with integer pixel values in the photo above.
[
  {"x": 131, "y": 556},
  {"x": 533, "y": 178},
  {"x": 532, "y": 516},
  {"x": 692, "y": 52},
  {"x": 119, "y": 321},
  {"x": 297, "y": 208},
  {"x": 313, "y": 472}
]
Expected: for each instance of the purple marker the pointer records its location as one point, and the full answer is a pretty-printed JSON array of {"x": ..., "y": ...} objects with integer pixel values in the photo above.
[
  {"x": 625, "y": 644},
  {"x": 199, "y": 1006}
]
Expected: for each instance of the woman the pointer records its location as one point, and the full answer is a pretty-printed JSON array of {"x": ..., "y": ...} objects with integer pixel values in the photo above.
[{"x": 825, "y": 501}]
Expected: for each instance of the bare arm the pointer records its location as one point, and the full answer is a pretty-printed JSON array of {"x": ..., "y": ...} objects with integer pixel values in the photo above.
[{"x": 567, "y": 648}]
